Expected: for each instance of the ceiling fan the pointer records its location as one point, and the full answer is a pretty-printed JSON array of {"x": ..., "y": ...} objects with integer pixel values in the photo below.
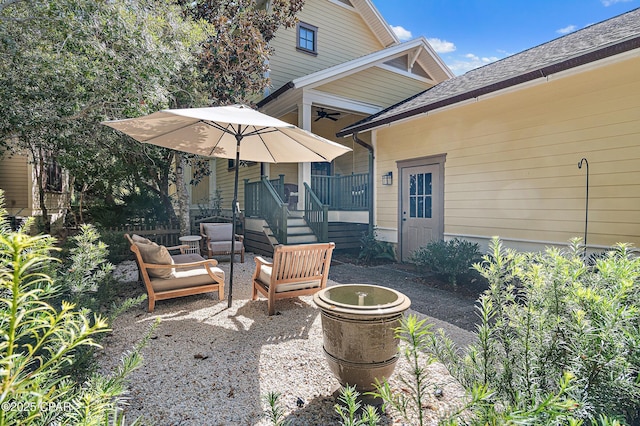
[{"x": 324, "y": 114}]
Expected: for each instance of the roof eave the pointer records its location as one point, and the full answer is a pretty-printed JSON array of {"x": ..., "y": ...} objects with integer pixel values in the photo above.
[{"x": 543, "y": 72}]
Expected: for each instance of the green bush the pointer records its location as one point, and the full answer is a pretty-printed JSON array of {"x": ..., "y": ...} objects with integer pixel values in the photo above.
[
  {"x": 39, "y": 342},
  {"x": 373, "y": 250},
  {"x": 117, "y": 245},
  {"x": 549, "y": 315},
  {"x": 451, "y": 259}
]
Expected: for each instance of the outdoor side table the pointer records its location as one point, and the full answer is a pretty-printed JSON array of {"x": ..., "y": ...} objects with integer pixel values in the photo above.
[{"x": 193, "y": 241}]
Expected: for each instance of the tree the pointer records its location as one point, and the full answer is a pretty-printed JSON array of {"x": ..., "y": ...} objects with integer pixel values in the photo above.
[
  {"x": 234, "y": 58},
  {"x": 68, "y": 64}
]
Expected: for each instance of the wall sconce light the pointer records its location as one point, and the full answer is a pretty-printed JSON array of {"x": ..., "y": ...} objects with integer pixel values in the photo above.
[
  {"x": 178, "y": 170},
  {"x": 387, "y": 179}
]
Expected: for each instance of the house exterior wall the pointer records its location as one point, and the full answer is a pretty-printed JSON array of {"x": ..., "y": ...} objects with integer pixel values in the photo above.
[
  {"x": 289, "y": 170},
  {"x": 511, "y": 161},
  {"x": 200, "y": 193},
  {"x": 342, "y": 36},
  {"x": 225, "y": 179},
  {"x": 14, "y": 181},
  {"x": 376, "y": 86}
]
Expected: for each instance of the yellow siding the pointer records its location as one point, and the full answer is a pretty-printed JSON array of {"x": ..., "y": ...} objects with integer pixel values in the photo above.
[
  {"x": 342, "y": 36},
  {"x": 511, "y": 160},
  {"x": 14, "y": 181},
  {"x": 376, "y": 86},
  {"x": 225, "y": 179},
  {"x": 289, "y": 170},
  {"x": 200, "y": 192}
]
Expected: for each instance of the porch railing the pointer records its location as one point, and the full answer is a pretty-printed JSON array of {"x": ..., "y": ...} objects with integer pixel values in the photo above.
[
  {"x": 316, "y": 214},
  {"x": 278, "y": 186},
  {"x": 349, "y": 192},
  {"x": 262, "y": 200}
]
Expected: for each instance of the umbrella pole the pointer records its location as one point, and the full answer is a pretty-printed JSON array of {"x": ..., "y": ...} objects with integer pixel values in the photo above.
[{"x": 233, "y": 218}]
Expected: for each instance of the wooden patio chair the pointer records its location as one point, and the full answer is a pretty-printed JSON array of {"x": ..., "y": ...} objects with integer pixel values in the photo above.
[
  {"x": 296, "y": 270},
  {"x": 217, "y": 240},
  {"x": 168, "y": 276}
]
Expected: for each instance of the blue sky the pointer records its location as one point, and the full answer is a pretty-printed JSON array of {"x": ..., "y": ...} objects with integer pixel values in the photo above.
[{"x": 468, "y": 34}]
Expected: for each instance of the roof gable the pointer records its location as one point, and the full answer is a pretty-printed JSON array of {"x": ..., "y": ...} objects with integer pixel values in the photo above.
[
  {"x": 414, "y": 59},
  {"x": 608, "y": 38}
]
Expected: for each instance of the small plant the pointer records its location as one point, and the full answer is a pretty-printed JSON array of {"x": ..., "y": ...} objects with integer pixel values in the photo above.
[
  {"x": 411, "y": 404},
  {"x": 85, "y": 268},
  {"x": 451, "y": 259},
  {"x": 275, "y": 412},
  {"x": 214, "y": 208},
  {"x": 373, "y": 250},
  {"x": 348, "y": 410}
]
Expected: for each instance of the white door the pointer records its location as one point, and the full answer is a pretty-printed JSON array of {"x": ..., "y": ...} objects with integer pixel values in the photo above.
[{"x": 421, "y": 207}]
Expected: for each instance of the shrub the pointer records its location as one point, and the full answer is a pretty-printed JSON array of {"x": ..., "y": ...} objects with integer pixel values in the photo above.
[
  {"x": 547, "y": 315},
  {"x": 373, "y": 250},
  {"x": 451, "y": 259},
  {"x": 117, "y": 245},
  {"x": 39, "y": 341}
]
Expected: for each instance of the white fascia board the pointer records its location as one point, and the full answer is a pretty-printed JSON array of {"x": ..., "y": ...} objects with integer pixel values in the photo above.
[
  {"x": 356, "y": 65},
  {"x": 382, "y": 20},
  {"x": 436, "y": 57}
]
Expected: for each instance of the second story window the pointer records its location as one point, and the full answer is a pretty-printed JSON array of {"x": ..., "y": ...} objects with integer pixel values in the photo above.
[{"x": 307, "y": 38}]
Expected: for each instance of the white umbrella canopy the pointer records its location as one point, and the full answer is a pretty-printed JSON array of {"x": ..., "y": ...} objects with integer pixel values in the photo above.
[
  {"x": 212, "y": 132},
  {"x": 237, "y": 132}
]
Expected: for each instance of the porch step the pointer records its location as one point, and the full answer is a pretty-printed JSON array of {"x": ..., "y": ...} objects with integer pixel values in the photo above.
[
  {"x": 301, "y": 239},
  {"x": 295, "y": 222},
  {"x": 299, "y": 230}
]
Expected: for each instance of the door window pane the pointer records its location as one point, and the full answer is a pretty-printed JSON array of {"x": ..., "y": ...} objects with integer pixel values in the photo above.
[
  {"x": 427, "y": 207},
  {"x": 420, "y": 193}
]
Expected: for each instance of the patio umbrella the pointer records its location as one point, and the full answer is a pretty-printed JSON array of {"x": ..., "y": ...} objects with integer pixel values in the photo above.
[{"x": 236, "y": 132}]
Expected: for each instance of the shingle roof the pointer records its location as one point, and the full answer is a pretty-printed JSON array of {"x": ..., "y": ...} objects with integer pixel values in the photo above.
[{"x": 598, "y": 41}]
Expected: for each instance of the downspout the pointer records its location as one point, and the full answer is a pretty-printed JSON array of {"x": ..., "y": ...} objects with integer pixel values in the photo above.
[{"x": 371, "y": 158}]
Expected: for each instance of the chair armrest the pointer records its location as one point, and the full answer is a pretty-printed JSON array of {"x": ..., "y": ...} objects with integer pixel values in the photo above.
[
  {"x": 260, "y": 261},
  {"x": 239, "y": 237},
  {"x": 181, "y": 247},
  {"x": 205, "y": 263}
]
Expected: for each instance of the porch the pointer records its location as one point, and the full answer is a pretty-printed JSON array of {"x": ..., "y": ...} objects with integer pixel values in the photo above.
[{"x": 336, "y": 208}]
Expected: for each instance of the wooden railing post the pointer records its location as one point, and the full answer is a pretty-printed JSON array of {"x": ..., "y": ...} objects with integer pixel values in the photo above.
[{"x": 325, "y": 224}]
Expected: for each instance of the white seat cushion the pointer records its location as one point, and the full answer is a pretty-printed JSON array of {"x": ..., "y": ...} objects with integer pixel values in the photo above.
[{"x": 265, "y": 278}]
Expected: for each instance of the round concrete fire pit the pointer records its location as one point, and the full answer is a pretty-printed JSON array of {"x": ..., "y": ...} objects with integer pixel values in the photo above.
[{"x": 358, "y": 322}]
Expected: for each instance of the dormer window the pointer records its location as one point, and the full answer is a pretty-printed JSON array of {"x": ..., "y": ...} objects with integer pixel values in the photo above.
[{"x": 307, "y": 38}]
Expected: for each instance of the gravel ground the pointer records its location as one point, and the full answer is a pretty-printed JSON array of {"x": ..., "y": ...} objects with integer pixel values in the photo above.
[{"x": 207, "y": 364}]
